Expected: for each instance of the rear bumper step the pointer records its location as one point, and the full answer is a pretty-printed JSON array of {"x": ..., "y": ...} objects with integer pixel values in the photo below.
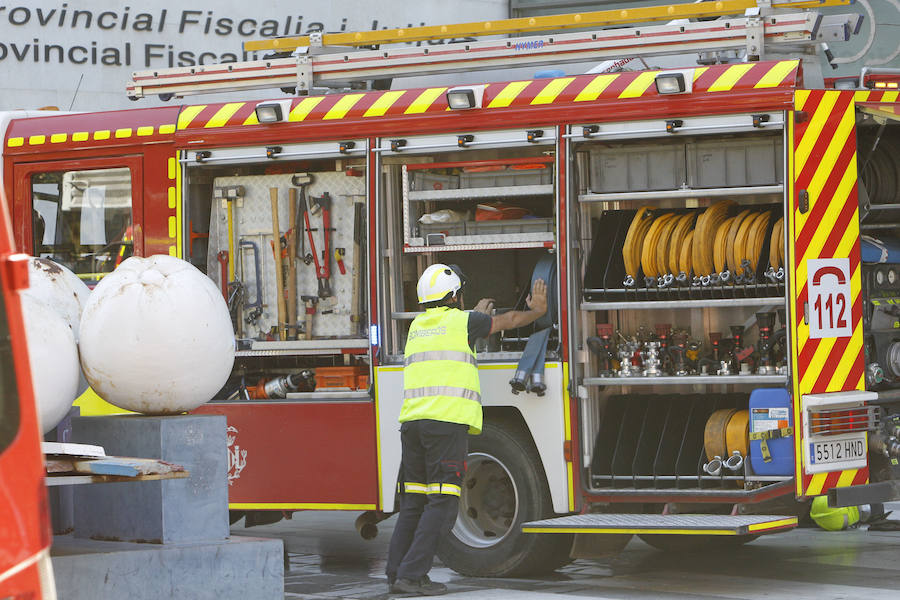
[{"x": 664, "y": 524}]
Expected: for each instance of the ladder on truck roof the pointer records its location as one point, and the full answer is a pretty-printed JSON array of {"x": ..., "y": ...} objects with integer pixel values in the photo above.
[{"x": 335, "y": 60}]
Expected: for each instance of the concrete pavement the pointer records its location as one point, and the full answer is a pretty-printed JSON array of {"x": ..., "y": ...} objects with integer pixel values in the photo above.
[{"x": 327, "y": 560}]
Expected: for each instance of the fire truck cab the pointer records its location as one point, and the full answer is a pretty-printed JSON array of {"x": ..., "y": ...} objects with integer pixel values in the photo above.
[{"x": 721, "y": 343}]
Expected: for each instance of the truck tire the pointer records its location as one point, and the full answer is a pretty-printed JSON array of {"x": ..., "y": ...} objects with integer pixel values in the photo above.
[
  {"x": 503, "y": 488},
  {"x": 696, "y": 543}
]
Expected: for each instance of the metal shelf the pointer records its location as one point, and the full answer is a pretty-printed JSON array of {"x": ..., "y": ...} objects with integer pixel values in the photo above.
[
  {"x": 689, "y": 492},
  {"x": 506, "y": 191},
  {"x": 757, "y": 190},
  {"x": 549, "y": 243},
  {"x": 330, "y": 395},
  {"x": 406, "y": 315},
  {"x": 304, "y": 347},
  {"x": 684, "y": 304},
  {"x": 688, "y": 380},
  {"x": 483, "y": 357}
]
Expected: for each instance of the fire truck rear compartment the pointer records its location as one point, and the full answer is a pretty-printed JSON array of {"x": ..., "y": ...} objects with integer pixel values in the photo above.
[{"x": 645, "y": 426}]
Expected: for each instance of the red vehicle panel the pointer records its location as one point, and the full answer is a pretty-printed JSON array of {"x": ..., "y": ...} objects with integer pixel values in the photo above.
[{"x": 270, "y": 465}]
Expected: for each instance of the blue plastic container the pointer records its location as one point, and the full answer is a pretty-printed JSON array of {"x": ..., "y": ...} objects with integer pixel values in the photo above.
[{"x": 770, "y": 408}]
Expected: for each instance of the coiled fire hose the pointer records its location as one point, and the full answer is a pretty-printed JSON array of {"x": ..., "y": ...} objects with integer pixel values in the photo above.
[{"x": 529, "y": 375}]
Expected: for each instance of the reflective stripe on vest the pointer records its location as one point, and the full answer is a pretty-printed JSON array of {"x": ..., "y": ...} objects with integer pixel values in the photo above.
[
  {"x": 442, "y": 390},
  {"x": 441, "y": 355},
  {"x": 440, "y": 376}
]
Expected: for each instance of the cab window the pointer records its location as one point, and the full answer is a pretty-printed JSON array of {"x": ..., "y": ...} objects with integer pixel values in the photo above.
[{"x": 83, "y": 219}]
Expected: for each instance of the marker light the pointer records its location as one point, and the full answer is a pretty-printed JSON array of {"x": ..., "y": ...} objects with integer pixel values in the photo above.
[
  {"x": 464, "y": 98},
  {"x": 273, "y": 111},
  {"x": 670, "y": 83},
  {"x": 846, "y": 83}
]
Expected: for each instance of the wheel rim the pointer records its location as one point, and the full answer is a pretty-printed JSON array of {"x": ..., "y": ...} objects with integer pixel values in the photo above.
[{"x": 489, "y": 503}]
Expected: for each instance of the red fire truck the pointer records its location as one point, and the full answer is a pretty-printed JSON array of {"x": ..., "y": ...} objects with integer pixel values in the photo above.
[
  {"x": 717, "y": 238},
  {"x": 25, "y": 570}
]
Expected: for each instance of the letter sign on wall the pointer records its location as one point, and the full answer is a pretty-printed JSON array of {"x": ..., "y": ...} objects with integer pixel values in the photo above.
[{"x": 828, "y": 282}]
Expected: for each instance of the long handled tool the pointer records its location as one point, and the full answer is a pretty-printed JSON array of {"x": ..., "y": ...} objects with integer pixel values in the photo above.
[
  {"x": 356, "y": 274},
  {"x": 301, "y": 180},
  {"x": 323, "y": 262},
  {"x": 230, "y": 194},
  {"x": 292, "y": 267},
  {"x": 279, "y": 279},
  {"x": 254, "y": 307},
  {"x": 222, "y": 257}
]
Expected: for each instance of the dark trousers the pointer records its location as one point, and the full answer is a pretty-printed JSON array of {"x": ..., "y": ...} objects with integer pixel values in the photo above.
[{"x": 431, "y": 472}]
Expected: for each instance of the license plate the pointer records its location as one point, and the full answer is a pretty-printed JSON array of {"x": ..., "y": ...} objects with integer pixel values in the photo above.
[{"x": 837, "y": 451}]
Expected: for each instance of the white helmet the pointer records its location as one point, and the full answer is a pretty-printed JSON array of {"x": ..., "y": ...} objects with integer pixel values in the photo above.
[{"x": 437, "y": 281}]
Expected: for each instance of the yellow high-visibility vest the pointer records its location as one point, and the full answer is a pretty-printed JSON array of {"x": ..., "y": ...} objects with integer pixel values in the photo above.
[{"x": 440, "y": 374}]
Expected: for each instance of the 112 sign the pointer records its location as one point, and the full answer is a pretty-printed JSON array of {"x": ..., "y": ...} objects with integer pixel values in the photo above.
[{"x": 828, "y": 282}]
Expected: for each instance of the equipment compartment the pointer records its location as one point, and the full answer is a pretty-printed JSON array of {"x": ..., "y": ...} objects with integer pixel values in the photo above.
[
  {"x": 693, "y": 324},
  {"x": 496, "y": 226}
]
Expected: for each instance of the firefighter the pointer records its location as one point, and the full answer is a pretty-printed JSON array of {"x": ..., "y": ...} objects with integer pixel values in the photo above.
[{"x": 441, "y": 404}]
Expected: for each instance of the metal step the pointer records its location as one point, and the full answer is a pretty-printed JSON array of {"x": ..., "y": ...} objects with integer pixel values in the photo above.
[{"x": 664, "y": 524}]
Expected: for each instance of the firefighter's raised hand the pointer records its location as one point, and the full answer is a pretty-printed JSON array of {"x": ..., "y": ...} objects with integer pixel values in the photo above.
[
  {"x": 485, "y": 305},
  {"x": 537, "y": 300}
]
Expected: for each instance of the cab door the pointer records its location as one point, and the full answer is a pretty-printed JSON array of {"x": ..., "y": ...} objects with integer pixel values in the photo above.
[{"x": 85, "y": 214}]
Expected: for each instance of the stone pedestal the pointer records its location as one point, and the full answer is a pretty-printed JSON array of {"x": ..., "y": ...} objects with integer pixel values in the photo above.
[
  {"x": 62, "y": 497},
  {"x": 185, "y": 521},
  {"x": 165, "y": 511},
  {"x": 238, "y": 569}
]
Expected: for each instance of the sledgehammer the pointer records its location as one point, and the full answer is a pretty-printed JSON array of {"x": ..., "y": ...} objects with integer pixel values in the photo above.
[{"x": 279, "y": 279}]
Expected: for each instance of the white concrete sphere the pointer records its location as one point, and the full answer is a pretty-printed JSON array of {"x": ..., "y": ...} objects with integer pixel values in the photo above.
[
  {"x": 61, "y": 290},
  {"x": 53, "y": 356},
  {"x": 156, "y": 337}
]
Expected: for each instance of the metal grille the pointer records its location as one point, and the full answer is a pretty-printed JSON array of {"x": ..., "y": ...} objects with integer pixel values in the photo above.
[{"x": 834, "y": 421}]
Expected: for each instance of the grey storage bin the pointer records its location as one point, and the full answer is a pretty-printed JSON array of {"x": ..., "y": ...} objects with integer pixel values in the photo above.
[
  {"x": 426, "y": 180},
  {"x": 534, "y": 225},
  {"x": 735, "y": 162},
  {"x": 637, "y": 168},
  {"x": 458, "y": 228},
  {"x": 505, "y": 177}
]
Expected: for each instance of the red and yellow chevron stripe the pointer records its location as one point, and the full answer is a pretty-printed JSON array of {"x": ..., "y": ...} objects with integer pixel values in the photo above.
[
  {"x": 141, "y": 125},
  {"x": 822, "y": 134},
  {"x": 538, "y": 92}
]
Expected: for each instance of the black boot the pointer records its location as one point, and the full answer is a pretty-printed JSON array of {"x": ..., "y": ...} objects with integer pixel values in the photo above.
[{"x": 422, "y": 587}]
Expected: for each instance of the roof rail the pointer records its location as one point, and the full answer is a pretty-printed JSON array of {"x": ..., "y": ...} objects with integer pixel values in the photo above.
[{"x": 299, "y": 67}]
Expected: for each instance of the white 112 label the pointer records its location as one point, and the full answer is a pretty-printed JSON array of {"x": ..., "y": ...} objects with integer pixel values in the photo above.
[{"x": 828, "y": 284}]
